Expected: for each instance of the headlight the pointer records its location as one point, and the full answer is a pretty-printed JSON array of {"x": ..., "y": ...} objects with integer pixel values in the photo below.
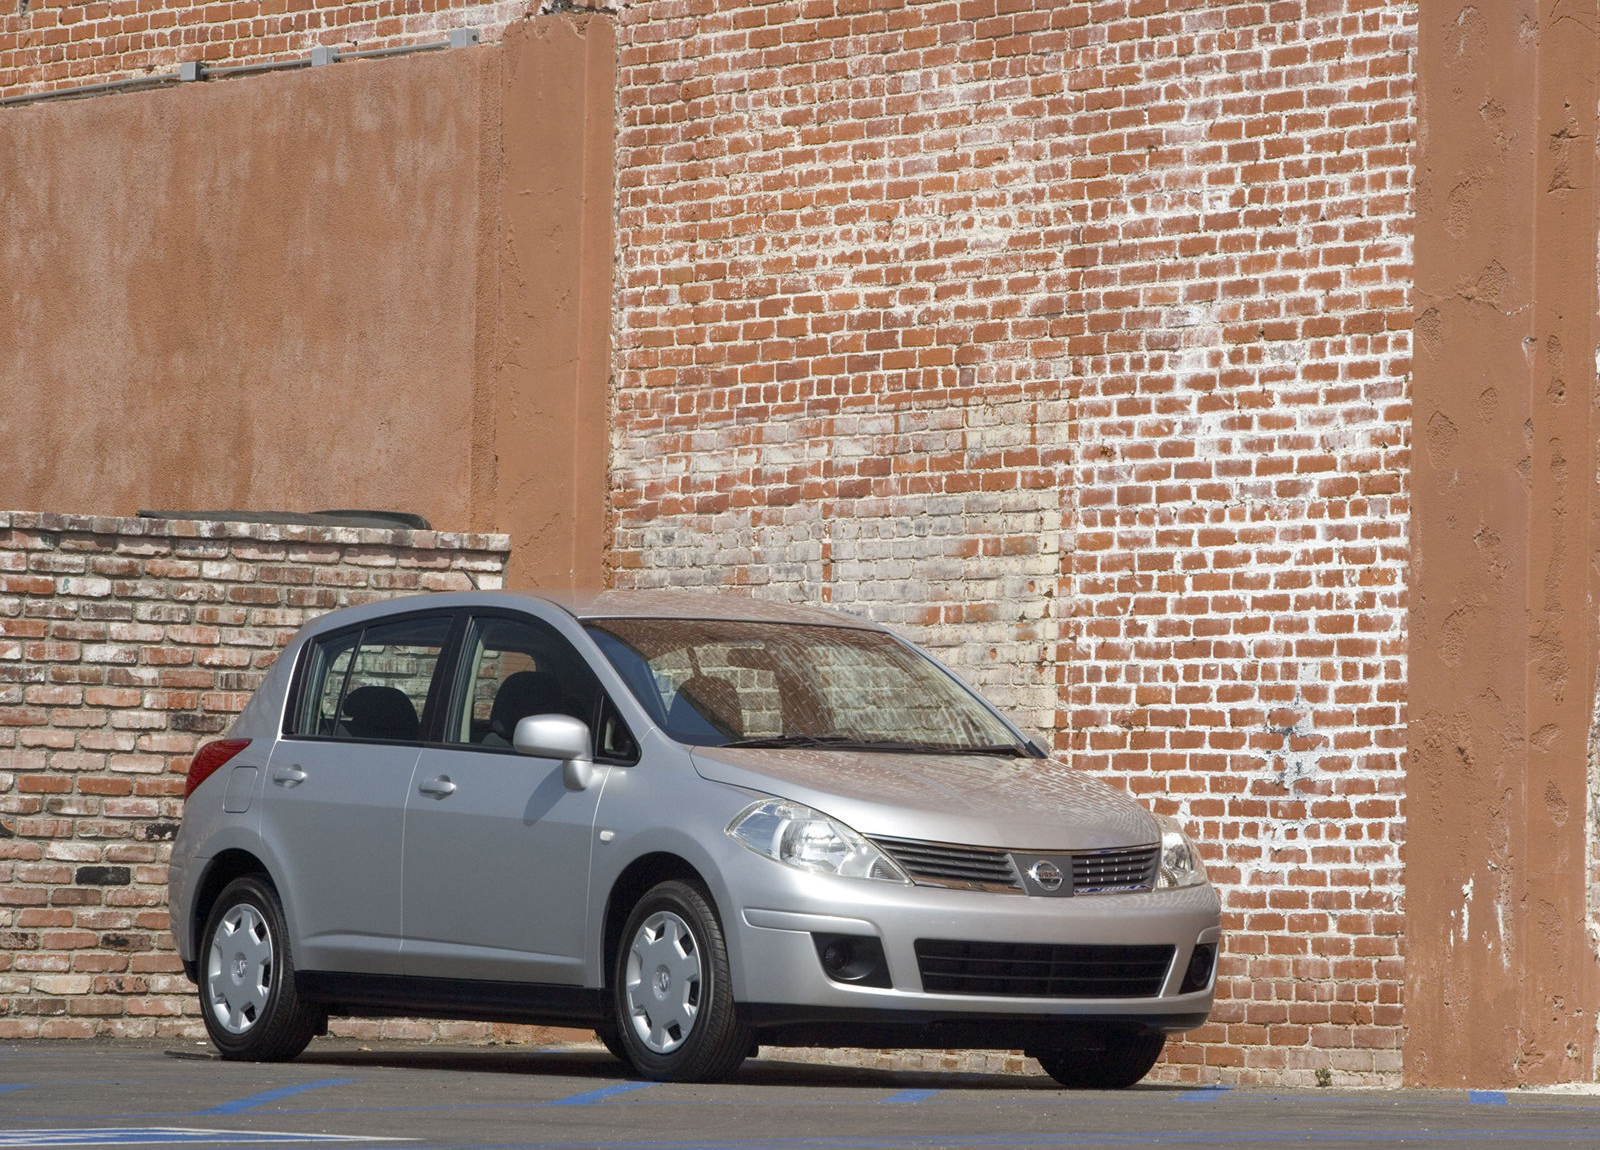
[
  {"x": 1180, "y": 860},
  {"x": 809, "y": 840}
]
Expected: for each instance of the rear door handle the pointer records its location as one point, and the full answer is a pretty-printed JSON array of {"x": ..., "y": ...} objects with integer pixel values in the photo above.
[
  {"x": 438, "y": 788},
  {"x": 289, "y": 776}
]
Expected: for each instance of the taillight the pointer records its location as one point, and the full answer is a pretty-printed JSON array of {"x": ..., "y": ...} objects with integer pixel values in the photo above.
[{"x": 208, "y": 758}]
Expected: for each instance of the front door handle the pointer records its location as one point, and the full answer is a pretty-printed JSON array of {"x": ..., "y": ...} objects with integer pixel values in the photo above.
[
  {"x": 438, "y": 788},
  {"x": 289, "y": 776}
]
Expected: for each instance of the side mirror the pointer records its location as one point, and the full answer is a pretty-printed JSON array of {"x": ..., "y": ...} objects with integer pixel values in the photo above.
[{"x": 558, "y": 737}]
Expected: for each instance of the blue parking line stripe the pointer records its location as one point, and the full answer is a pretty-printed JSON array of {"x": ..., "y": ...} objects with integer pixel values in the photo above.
[
  {"x": 1486, "y": 1097},
  {"x": 911, "y": 1096},
  {"x": 240, "y": 1105},
  {"x": 1204, "y": 1094},
  {"x": 600, "y": 1095},
  {"x": 8, "y": 1087}
]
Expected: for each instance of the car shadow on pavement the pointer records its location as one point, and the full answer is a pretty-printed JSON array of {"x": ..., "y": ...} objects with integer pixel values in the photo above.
[{"x": 767, "y": 1070}]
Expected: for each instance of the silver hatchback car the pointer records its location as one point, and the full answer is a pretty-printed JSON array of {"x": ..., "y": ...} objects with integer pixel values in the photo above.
[{"x": 694, "y": 823}]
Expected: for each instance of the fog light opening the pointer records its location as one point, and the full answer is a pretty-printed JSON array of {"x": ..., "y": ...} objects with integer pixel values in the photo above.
[
  {"x": 852, "y": 958},
  {"x": 837, "y": 955},
  {"x": 1198, "y": 976}
]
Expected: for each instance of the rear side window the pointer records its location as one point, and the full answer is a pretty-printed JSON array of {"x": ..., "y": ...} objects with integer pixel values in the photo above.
[{"x": 372, "y": 683}]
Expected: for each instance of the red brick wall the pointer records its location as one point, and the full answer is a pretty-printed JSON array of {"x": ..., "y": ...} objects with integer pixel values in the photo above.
[
  {"x": 124, "y": 644},
  {"x": 1074, "y": 340}
]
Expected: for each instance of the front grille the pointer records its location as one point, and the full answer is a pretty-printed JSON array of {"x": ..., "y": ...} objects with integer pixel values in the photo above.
[
  {"x": 944, "y": 864},
  {"x": 1130, "y": 868},
  {"x": 994, "y": 869},
  {"x": 1042, "y": 970}
]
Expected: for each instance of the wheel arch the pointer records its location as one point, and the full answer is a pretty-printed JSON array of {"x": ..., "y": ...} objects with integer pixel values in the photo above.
[
  {"x": 630, "y": 886},
  {"x": 222, "y": 869}
]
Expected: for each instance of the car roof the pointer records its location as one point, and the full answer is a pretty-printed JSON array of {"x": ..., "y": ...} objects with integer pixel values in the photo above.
[
  {"x": 589, "y": 605},
  {"x": 695, "y": 605}
]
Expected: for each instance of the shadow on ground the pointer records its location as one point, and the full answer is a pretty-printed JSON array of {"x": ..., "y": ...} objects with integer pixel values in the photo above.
[{"x": 770, "y": 1069}]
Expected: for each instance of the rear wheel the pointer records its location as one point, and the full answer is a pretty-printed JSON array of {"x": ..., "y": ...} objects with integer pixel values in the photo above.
[
  {"x": 247, "y": 994},
  {"x": 675, "y": 1018},
  {"x": 1106, "y": 1058}
]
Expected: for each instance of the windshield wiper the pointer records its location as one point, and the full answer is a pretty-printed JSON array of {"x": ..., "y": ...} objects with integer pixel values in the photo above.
[
  {"x": 836, "y": 742},
  {"x": 846, "y": 743}
]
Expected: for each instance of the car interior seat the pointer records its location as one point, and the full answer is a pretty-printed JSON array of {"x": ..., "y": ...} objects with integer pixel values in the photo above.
[
  {"x": 375, "y": 712},
  {"x": 522, "y": 694}
]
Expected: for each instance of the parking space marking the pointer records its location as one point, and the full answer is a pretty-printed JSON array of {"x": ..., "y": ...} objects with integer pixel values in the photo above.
[
  {"x": 167, "y": 1136},
  {"x": 8, "y": 1087},
  {"x": 588, "y": 1097},
  {"x": 911, "y": 1096},
  {"x": 1204, "y": 1094},
  {"x": 1486, "y": 1098},
  {"x": 240, "y": 1105}
]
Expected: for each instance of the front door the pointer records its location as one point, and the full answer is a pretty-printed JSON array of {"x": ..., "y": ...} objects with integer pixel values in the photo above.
[{"x": 496, "y": 855}]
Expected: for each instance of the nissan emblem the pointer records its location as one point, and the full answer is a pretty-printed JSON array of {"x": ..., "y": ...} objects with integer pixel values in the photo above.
[{"x": 1046, "y": 874}]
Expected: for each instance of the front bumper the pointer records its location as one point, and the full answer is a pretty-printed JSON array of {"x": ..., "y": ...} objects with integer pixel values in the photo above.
[{"x": 783, "y": 988}]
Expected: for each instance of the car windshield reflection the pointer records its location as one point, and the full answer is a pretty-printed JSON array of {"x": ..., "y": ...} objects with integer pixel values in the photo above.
[{"x": 736, "y": 683}]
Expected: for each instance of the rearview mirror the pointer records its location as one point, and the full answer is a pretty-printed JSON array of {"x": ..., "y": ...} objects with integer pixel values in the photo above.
[{"x": 558, "y": 737}]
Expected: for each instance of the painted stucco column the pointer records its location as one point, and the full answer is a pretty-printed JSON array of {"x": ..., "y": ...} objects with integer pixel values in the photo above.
[
  {"x": 553, "y": 355},
  {"x": 1502, "y": 982}
]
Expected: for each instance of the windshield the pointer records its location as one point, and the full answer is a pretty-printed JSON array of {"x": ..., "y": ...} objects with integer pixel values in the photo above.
[{"x": 712, "y": 682}]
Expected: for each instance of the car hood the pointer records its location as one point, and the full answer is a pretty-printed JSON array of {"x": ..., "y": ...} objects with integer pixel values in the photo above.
[{"x": 975, "y": 800}]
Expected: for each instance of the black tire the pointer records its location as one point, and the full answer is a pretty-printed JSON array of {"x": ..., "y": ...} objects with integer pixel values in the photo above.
[
  {"x": 611, "y": 1039},
  {"x": 685, "y": 1027},
  {"x": 1106, "y": 1058},
  {"x": 247, "y": 994}
]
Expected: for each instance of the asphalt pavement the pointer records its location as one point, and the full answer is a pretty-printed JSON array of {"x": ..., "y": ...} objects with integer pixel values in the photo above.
[{"x": 372, "y": 1096}]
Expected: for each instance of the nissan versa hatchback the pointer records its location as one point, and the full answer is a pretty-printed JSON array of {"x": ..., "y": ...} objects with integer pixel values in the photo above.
[{"x": 694, "y": 823}]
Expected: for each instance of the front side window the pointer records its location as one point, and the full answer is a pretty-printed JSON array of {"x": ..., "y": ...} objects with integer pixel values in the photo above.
[
  {"x": 516, "y": 667},
  {"x": 372, "y": 683},
  {"x": 740, "y": 683}
]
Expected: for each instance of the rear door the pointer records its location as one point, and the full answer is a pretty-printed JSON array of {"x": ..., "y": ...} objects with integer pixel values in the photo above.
[
  {"x": 334, "y": 807},
  {"x": 496, "y": 847}
]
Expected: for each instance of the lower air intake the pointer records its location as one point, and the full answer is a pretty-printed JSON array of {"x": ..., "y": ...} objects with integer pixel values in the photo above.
[{"x": 1042, "y": 970}]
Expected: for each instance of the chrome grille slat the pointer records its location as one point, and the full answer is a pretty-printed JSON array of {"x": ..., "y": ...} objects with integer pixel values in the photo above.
[
  {"x": 946, "y": 864},
  {"x": 1128, "y": 868}
]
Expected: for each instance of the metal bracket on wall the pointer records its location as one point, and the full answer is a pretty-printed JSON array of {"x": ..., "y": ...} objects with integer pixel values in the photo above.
[{"x": 195, "y": 70}]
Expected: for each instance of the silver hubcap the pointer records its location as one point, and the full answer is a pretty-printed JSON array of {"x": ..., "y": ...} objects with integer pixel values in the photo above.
[
  {"x": 663, "y": 982},
  {"x": 239, "y": 969}
]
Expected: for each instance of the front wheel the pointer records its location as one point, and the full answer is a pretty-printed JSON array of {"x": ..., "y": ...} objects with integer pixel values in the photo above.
[
  {"x": 673, "y": 997},
  {"x": 611, "y": 1038},
  {"x": 247, "y": 994},
  {"x": 1110, "y": 1058}
]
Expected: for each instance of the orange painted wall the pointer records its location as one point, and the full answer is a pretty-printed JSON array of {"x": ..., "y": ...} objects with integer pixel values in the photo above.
[
  {"x": 317, "y": 289},
  {"x": 1502, "y": 979}
]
